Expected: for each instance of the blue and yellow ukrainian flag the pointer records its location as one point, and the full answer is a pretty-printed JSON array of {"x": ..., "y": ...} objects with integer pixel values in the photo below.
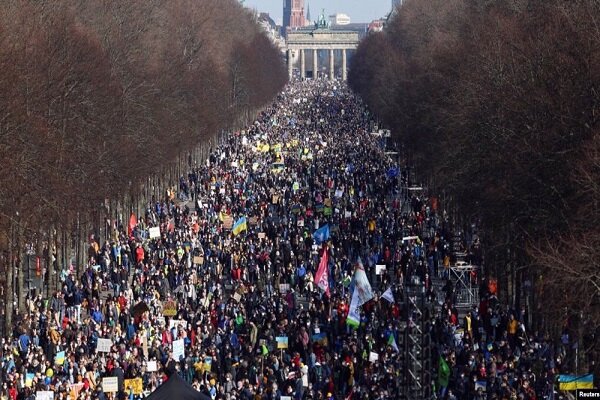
[
  {"x": 29, "y": 379},
  {"x": 574, "y": 382},
  {"x": 59, "y": 359},
  {"x": 239, "y": 226}
]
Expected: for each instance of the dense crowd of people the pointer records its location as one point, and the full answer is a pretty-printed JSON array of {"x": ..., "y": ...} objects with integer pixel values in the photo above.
[{"x": 226, "y": 293}]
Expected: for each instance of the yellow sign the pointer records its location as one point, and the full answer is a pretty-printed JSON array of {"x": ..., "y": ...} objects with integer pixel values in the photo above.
[
  {"x": 135, "y": 385},
  {"x": 170, "y": 308}
]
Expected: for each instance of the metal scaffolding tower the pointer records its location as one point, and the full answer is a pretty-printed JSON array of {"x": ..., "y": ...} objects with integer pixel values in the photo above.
[
  {"x": 465, "y": 279},
  {"x": 417, "y": 344}
]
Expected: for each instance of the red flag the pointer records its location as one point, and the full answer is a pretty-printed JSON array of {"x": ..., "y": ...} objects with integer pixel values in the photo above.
[
  {"x": 322, "y": 276},
  {"x": 493, "y": 285},
  {"x": 132, "y": 223}
]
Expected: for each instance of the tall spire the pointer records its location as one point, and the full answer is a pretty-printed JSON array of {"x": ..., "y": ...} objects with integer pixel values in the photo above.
[{"x": 308, "y": 12}]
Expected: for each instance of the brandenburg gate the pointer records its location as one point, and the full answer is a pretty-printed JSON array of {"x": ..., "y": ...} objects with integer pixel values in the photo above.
[{"x": 321, "y": 37}]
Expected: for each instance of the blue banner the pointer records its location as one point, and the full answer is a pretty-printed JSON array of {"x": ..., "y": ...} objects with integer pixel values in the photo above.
[{"x": 322, "y": 234}]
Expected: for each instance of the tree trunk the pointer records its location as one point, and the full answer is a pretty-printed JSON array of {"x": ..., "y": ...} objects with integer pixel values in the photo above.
[
  {"x": 19, "y": 266},
  {"x": 48, "y": 262},
  {"x": 10, "y": 289}
]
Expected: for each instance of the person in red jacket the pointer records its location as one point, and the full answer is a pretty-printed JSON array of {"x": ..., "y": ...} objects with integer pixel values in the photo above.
[
  {"x": 139, "y": 254},
  {"x": 12, "y": 392},
  {"x": 236, "y": 273}
]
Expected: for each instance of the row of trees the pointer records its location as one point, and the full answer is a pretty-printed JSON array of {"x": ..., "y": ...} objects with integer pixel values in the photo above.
[
  {"x": 99, "y": 96},
  {"x": 497, "y": 102}
]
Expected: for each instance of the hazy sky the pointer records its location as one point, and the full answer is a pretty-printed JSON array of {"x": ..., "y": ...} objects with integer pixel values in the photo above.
[{"x": 357, "y": 10}]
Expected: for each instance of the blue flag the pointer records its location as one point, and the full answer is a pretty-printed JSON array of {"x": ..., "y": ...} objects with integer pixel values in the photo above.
[
  {"x": 392, "y": 172},
  {"x": 321, "y": 234}
]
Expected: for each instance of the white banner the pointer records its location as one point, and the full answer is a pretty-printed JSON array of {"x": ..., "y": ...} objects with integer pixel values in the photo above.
[
  {"x": 176, "y": 322},
  {"x": 373, "y": 356},
  {"x": 44, "y": 395},
  {"x": 152, "y": 366},
  {"x": 110, "y": 384},
  {"x": 104, "y": 345},
  {"x": 178, "y": 350},
  {"x": 154, "y": 232}
]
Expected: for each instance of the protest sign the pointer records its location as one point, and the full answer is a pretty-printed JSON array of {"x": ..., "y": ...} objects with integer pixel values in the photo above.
[
  {"x": 104, "y": 345},
  {"x": 133, "y": 385},
  {"x": 373, "y": 356},
  {"x": 152, "y": 366},
  {"x": 380, "y": 269},
  {"x": 178, "y": 349},
  {"x": 282, "y": 342},
  {"x": 177, "y": 322},
  {"x": 75, "y": 389},
  {"x": 170, "y": 308},
  {"x": 44, "y": 395},
  {"x": 154, "y": 232},
  {"x": 110, "y": 384}
]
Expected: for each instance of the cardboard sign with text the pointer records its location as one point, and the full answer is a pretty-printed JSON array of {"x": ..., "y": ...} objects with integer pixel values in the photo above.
[
  {"x": 134, "y": 385},
  {"x": 110, "y": 384},
  {"x": 198, "y": 260},
  {"x": 104, "y": 345}
]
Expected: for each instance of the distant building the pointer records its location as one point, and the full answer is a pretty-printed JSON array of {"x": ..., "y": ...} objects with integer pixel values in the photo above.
[
  {"x": 265, "y": 21},
  {"x": 362, "y": 28},
  {"x": 376, "y": 25},
  {"x": 339, "y": 19},
  {"x": 293, "y": 14}
]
